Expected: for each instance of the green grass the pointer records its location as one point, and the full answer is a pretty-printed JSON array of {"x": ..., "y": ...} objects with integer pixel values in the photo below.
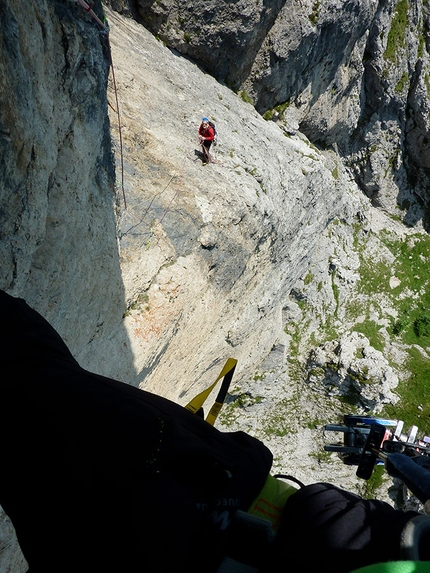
[
  {"x": 279, "y": 109},
  {"x": 374, "y": 276},
  {"x": 371, "y": 331},
  {"x": 411, "y": 300},
  {"x": 308, "y": 278},
  {"x": 279, "y": 421},
  {"x": 414, "y": 392},
  {"x": 427, "y": 82},
  {"x": 335, "y": 290},
  {"x": 407, "y": 324},
  {"x": 244, "y": 96},
  {"x": 268, "y": 115},
  {"x": 402, "y": 83},
  {"x": 397, "y": 35},
  {"x": 315, "y": 12},
  {"x": 368, "y": 489},
  {"x": 140, "y": 303},
  {"x": 412, "y": 267}
]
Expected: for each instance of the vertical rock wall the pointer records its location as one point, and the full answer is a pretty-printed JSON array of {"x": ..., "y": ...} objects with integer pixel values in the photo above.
[
  {"x": 58, "y": 246},
  {"x": 57, "y": 219}
]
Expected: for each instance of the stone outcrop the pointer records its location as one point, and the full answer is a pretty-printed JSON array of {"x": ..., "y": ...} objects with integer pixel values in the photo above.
[{"x": 351, "y": 367}]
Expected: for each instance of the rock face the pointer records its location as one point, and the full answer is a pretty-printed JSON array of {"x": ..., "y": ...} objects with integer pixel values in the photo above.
[
  {"x": 242, "y": 258},
  {"x": 352, "y": 73},
  {"x": 210, "y": 254},
  {"x": 57, "y": 222},
  {"x": 351, "y": 367},
  {"x": 58, "y": 248}
]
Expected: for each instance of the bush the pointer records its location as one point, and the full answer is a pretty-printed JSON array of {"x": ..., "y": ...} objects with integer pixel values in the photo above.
[
  {"x": 245, "y": 97},
  {"x": 422, "y": 326}
]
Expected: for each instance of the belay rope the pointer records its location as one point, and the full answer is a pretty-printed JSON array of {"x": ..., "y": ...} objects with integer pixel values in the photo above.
[
  {"x": 88, "y": 7},
  {"x": 89, "y": 10},
  {"x": 196, "y": 404}
]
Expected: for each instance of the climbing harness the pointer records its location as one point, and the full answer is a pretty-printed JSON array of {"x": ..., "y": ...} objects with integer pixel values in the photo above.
[
  {"x": 196, "y": 404},
  {"x": 210, "y": 158},
  {"x": 88, "y": 8},
  {"x": 252, "y": 534}
]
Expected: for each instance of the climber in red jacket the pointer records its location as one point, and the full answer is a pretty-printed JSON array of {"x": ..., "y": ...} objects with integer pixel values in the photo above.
[{"x": 206, "y": 134}]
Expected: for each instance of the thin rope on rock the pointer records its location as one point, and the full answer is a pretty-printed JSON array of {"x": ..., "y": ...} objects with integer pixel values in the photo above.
[
  {"x": 141, "y": 219},
  {"x": 119, "y": 125},
  {"x": 181, "y": 178},
  {"x": 88, "y": 8}
]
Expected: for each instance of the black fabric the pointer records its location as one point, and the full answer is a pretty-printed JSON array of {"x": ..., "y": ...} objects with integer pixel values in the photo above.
[
  {"x": 99, "y": 476},
  {"x": 207, "y": 143},
  {"x": 329, "y": 530}
]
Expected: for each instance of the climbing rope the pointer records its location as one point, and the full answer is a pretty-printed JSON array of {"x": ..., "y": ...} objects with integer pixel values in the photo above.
[
  {"x": 119, "y": 125},
  {"x": 208, "y": 155},
  {"x": 88, "y": 8},
  {"x": 141, "y": 218},
  {"x": 181, "y": 178}
]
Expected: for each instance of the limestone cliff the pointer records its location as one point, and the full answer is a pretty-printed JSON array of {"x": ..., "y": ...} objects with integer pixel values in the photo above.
[
  {"x": 210, "y": 254},
  {"x": 58, "y": 246},
  {"x": 351, "y": 74}
]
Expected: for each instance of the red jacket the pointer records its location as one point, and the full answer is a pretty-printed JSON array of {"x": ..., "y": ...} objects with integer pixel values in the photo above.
[{"x": 208, "y": 133}]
